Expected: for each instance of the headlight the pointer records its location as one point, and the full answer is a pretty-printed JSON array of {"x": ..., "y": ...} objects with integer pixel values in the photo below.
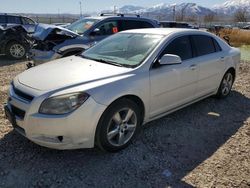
[{"x": 63, "y": 104}]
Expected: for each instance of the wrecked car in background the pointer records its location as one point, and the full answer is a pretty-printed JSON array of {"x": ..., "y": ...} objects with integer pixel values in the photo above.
[
  {"x": 53, "y": 42},
  {"x": 14, "y": 41},
  {"x": 50, "y": 42}
]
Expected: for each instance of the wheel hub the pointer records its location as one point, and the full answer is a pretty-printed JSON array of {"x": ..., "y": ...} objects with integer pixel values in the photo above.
[
  {"x": 122, "y": 127},
  {"x": 17, "y": 50}
]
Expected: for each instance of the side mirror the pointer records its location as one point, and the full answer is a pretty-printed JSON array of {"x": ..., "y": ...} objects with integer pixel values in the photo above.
[
  {"x": 95, "y": 32},
  {"x": 170, "y": 59}
]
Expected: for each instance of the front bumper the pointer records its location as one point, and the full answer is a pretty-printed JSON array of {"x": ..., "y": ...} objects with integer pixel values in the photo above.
[
  {"x": 71, "y": 131},
  {"x": 40, "y": 57}
]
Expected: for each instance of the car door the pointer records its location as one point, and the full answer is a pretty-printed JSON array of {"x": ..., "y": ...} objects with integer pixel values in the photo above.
[
  {"x": 209, "y": 59},
  {"x": 104, "y": 30},
  {"x": 173, "y": 85}
]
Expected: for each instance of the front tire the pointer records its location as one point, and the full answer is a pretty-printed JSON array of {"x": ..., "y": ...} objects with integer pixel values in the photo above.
[
  {"x": 15, "y": 50},
  {"x": 226, "y": 85},
  {"x": 118, "y": 125}
]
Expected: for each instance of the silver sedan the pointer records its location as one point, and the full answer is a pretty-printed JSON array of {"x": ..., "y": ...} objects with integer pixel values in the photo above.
[{"x": 103, "y": 96}]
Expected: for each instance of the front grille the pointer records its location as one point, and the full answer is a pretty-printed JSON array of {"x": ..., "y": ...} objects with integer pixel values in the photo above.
[
  {"x": 18, "y": 112},
  {"x": 23, "y": 95}
]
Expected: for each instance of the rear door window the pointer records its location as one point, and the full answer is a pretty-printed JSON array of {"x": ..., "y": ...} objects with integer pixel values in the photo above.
[
  {"x": 180, "y": 46},
  {"x": 203, "y": 44},
  {"x": 14, "y": 20},
  {"x": 133, "y": 24},
  {"x": 3, "y": 19},
  {"x": 217, "y": 46},
  {"x": 108, "y": 28}
]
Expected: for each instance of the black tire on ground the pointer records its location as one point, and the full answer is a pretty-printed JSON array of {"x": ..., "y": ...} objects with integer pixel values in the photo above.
[
  {"x": 226, "y": 85},
  {"x": 20, "y": 50},
  {"x": 108, "y": 120}
]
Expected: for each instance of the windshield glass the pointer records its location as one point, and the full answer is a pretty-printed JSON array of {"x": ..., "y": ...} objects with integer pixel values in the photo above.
[
  {"x": 124, "y": 49},
  {"x": 82, "y": 25}
]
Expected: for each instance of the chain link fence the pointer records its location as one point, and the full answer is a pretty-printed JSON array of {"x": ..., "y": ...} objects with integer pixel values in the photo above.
[{"x": 51, "y": 20}]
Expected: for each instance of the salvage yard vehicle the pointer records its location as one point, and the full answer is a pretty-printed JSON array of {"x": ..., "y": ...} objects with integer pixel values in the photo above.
[
  {"x": 83, "y": 33},
  {"x": 103, "y": 96},
  {"x": 12, "y": 19},
  {"x": 14, "y": 41}
]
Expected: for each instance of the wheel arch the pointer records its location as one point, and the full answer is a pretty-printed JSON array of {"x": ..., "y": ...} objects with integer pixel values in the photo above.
[
  {"x": 8, "y": 42},
  {"x": 232, "y": 70},
  {"x": 137, "y": 100},
  {"x": 134, "y": 98}
]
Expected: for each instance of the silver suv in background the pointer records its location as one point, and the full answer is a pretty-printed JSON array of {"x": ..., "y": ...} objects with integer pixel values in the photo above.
[{"x": 56, "y": 42}]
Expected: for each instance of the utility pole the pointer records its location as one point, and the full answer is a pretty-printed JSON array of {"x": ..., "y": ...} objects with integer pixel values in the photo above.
[
  {"x": 115, "y": 10},
  {"x": 174, "y": 11},
  {"x": 80, "y": 9},
  {"x": 58, "y": 13}
]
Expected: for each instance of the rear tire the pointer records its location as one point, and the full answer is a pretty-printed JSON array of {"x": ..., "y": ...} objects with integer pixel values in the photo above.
[
  {"x": 118, "y": 125},
  {"x": 15, "y": 50},
  {"x": 226, "y": 85}
]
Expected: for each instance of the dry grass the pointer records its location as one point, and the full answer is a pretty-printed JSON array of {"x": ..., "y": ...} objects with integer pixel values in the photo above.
[{"x": 237, "y": 37}]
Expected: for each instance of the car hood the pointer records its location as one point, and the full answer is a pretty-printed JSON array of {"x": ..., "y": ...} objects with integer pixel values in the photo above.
[
  {"x": 68, "y": 72},
  {"x": 42, "y": 31}
]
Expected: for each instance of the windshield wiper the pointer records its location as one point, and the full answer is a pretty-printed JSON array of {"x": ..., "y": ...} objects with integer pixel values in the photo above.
[
  {"x": 109, "y": 62},
  {"x": 101, "y": 60}
]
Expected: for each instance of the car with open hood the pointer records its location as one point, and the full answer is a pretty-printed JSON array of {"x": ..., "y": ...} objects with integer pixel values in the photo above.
[
  {"x": 56, "y": 42},
  {"x": 14, "y": 41},
  {"x": 103, "y": 96}
]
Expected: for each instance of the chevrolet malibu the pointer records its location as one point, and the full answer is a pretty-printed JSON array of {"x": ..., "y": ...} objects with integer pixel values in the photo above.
[{"x": 103, "y": 96}]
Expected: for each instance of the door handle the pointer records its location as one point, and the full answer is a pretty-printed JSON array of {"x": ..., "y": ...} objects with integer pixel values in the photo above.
[
  {"x": 193, "y": 67},
  {"x": 222, "y": 58}
]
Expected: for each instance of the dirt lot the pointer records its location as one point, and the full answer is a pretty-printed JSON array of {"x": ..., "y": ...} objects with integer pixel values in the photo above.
[{"x": 204, "y": 145}]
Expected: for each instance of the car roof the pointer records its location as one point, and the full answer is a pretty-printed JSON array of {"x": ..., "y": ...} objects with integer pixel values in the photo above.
[
  {"x": 7, "y": 14},
  {"x": 119, "y": 17},
  {"x": 17, "y": 15},
  {"x": 165, "y": 31}
]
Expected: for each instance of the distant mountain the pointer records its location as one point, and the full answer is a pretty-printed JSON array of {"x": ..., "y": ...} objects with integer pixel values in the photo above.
[
  {"x": 166, "y": 11},
  {"x": 231, "y": 6},
  {"x": 130, "y": 9}
]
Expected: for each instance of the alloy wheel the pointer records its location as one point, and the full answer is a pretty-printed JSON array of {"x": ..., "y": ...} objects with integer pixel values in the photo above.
[
  {"x": 227, "y": 84},
  {"x": 121, "y": 127},
  {"x": 17, "y": 51}
]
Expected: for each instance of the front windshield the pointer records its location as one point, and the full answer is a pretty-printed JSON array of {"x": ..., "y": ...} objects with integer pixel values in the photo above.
[
  {"x": 82, "y": 25},
  {"x": 124, "y": 49}
]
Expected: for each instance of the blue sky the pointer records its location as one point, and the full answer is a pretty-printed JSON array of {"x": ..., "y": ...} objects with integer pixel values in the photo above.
[{"x": 72, "y": 6}]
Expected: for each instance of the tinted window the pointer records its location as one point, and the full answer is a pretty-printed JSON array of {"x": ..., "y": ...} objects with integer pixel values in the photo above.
[
  {"x": 217, "y": 46},
  {"x": 108, "y": 28},
  {"x": 203, "y": 44},
  {"x": 2, "y": 19},
  {"x": 181, "y": 47},
  {"x": 14, "y": 20},
  {"x": 133, "y": 24}
]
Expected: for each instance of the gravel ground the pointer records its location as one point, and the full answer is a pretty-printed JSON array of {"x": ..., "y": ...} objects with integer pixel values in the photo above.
[{"x": 204, "y": 145}]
